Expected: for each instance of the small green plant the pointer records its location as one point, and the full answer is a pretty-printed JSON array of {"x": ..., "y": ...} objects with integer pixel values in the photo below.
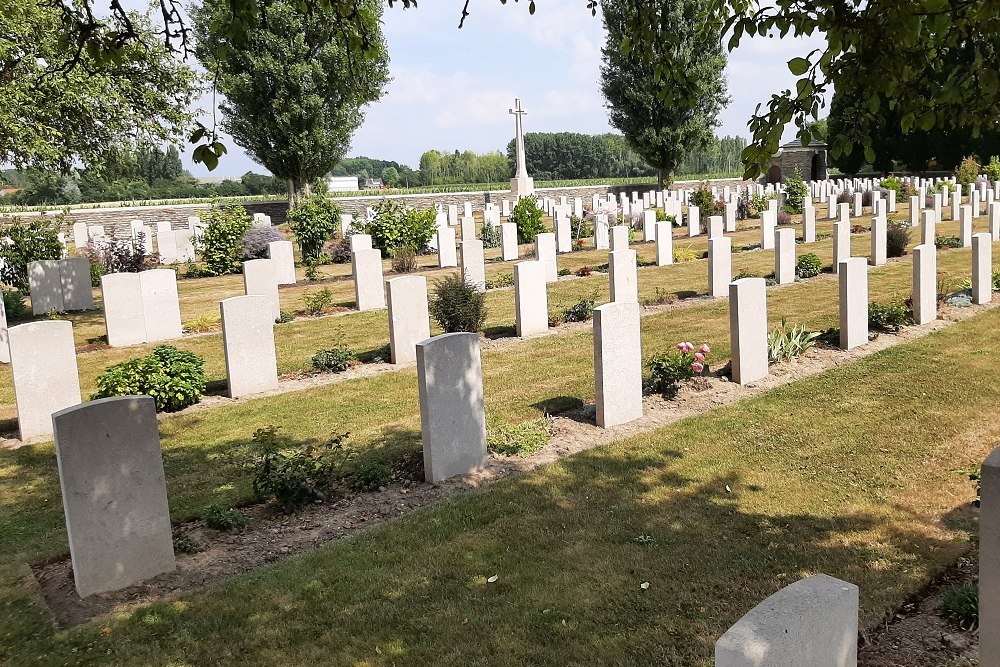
[
  {"x": 756, "y": 205},
  {"x": 795, "y": 193},
  {"x": 316, "y": 303},
  {"x": 948, "y": 242},
  {"x": 404, "y": 260},
  {"x": 581, "y": 311},
  {"x": 960, "y": 605},
  {"x": 889, "y": 316},
  {"x": 222, "y": 240},
  {"x": 393, "y": 225},
  {"x": 522, "y": 439},
  {"x": 685, "y": 254},
  {"x": 564, "y": 272},
  {"x": 334, "y": 360},
  {"x": 504, "y": 279},
  {"x": 702, "y": 198},
  {"x": 897, "y": 238},
  {"x": 808, "y": 266},
  {"x": 174, "y": 378},
  {"x": 458, "y": 306},
  {"x": 218, "y": 517},
  {"x": 314, "y": 221},
  {"x": 369, "y": 476},
  {"x": 284, "y": 317},
  {"x": 893, "y": 183},
  {"x": 668, "y": 369},
  {"x": 185, "y": 544},
  {"x": 292, "y": 476},
  {"x": 784, "y": 344},
  {"x": 312, "y": 271},
  {"x": 661, "y": 298},
  {"x": 967, "y": 171},
  {"x": 13, "y": 304},
  {"x": 528, "y": 218},
  {"x": 992, "y": 170},
  {"x": 202, "y": 323},
  {"x": 490, "y": 235}
]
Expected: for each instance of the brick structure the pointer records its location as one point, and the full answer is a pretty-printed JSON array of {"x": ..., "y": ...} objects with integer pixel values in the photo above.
[{"x": 811, "y": 161}]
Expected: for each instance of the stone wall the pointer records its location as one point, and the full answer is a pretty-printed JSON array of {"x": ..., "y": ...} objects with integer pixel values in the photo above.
[{"x": 116, "y": 220}]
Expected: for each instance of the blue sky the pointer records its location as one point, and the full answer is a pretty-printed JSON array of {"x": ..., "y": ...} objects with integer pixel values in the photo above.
[{"x": 451, "y": 88}]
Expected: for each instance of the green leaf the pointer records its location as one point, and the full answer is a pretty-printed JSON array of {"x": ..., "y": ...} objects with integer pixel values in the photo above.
[{"x": 798, "y": 66}]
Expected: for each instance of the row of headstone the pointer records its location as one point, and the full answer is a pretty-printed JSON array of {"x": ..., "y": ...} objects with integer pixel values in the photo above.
[{"x": 60, "y": 285}]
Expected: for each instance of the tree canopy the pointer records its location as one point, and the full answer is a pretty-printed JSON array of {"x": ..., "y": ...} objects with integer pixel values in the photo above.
[
  {"x": 661, "y": 125},
  {"x": 294, "y": 93}
]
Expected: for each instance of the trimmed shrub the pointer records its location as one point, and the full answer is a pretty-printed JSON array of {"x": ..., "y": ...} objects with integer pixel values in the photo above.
[
  {"x": 528, "y": 218},
  {"x": 256, "y": 240},
  {"x": 30, "y": 241},
  {"x": 458, "y": 306},
  {"x": 222, "y": 242},
  {"x": 314, "y": 221},
  {"x": 394, "y": 226},
  {"x": 703, "y": 199},
  {"x": 808, "y": 266},
  {"x": 174, "y": 378}
]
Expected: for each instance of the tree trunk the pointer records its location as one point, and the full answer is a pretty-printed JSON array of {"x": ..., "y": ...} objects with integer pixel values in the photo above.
[{"x": 298, "y": 189}]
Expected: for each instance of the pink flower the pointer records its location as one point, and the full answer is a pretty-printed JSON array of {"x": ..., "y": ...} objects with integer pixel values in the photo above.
[
  {"x": 705, "y": 349},
  {"x": 690, "y": 346},
  {"x": 699, "y": 356},
  {"x": 681, "y": 346},
  {"x": 697, "y": 367}
]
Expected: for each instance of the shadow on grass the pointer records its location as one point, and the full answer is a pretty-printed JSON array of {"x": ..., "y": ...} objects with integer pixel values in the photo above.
[
  {"x": 557, "y": 405},
  {"x": 497, "y": 332}
]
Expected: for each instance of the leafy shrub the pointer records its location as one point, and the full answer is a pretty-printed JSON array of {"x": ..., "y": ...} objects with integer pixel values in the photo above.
[
  {"x": 185, "y": 544},
  {"x": 393, "y": 225},
  {"x": 337, "y": 252},
  {"x": 582, "y": 228},
  {"x": 113, "y": 256},
  {"x": 992, "y": 170},
  {"x": 566, "y": 272},
  {"x": 785, "y": 344},
  {"x": 795, "y": 192},
  {"x": 702, "y": 198},
  {"x": 960, "y": 605},
  {"x": 948, "y": 242},
  {"x": 668, "y": 369},
  {"x": 458, "y": 306},
  {"x": 174, "y": 378},
  {"x": 968, "y": 171},
  {"x": 581, "y": 311},
  {"x": 897, "y": 237},
  {"x": 13, "y": 304},
  {"x": 522, "y": 439},
  {"x": 369, "y": 476},
  {"x": 755, "y": 205},
  {"x": 312, "y": 271},
  {"x": 808, "y": 266},
  {"x": 314, "y": 221},
  {"x": 584, "y": 271},
  {"x": 292, "y": 476},
  {"x": 528, "y": 218},
  {"x": 30, "y": 241},
  {"x": 404, "y": 260},
  {"x": 256, "y": 240},
  {"x": 490, "y": 235},
  {"x": 889, "y": 316},
  {"x": 334, "y": 360},
  {"x": 222, "y": 241},
  {"x": 893, "y": 183},
  {"x": 316, "y": 303},
  {"x": 685, "y": 254},
  {"x": 500, "y": 280},
  {"x": 217, "y": 517}
]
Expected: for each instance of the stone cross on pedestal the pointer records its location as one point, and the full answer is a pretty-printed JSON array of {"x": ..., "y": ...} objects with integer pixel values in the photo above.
[{"x": 521, "y": 185}]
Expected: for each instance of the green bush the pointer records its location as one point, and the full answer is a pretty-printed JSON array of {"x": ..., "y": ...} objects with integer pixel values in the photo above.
[
  {"x": 292, "y": 476},
  {"x": 369, "y": 476},
  {"x": 316, "y": 303},
  {"x": 808, "y": 266},
  {"x": 222, "y": 242},
  {"x": 968, "y": 171},
  {"x": 897, "y": 237},
  {"x": 795, "y": 192},
  {"x": 580, "y": 311},
  {"x": 174, "y": 378},
  {"x": 522, "y": 439},
  {"x": 703, "y": 199},
  {"x": 395, "y": 226},
  {"x": 458, "y": 306},
  {"x": 992, "y": 170},
  {"x": 668, "y": 369},
  {"x": 948, "y": 242},
  {"x": 960, "y": 605},
  {"x": 889, "y": 316},
  {"x": 334, "y": 360},
  {"x": 528, "y": 218},
  {"x": 217, "y": 517},
  {"x": 490, "y": 235},
  {"x": 314, "y": 221},
  {"x": 13, "y": 304},
  {"x": 30, "y": 241},
  {"x": 893, "y": 183}
]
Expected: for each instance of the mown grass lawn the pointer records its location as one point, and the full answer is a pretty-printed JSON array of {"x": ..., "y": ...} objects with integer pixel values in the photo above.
[{"x": 853, "y": 473}]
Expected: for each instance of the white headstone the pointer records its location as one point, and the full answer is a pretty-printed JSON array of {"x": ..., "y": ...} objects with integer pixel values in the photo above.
[
  {"x": 160, "y": 306},
  {"x": 853, "y": 275},
  {"x": 472, "y": 266},
  {"x": 45, "y": 378},
  {"x": 879, "y": 249},
  {"x": 283, "y": 255},
  {"x": 531, "y": 306},
  {"x": 409, "y": 323},
  {"x": 124, "y": 318},
  {"x": 45, "y": 286},
  {"x": 508, "y": 242},
  {"x": 924, "y": 283},
  {"x": 447, "y": 255},
  {"x": 982, "y": 268},
  {"x": 369, "y": 290},
  {"x": 748, "y": 329},
  {"x": 545, "y": 252},
  {"x": 664, "y": 244},
  {"x": 248, "y": 345},
  {"x": 720, "y": 265},
  {"x": 623, "y": 276},
  {"x": 260, "y": 277},
  {"x": 784, "y": 255},
  {"x": 617, "y": 363}
]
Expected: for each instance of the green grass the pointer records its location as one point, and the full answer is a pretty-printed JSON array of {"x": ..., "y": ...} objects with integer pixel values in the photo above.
[{"x": 850, "y": 473}]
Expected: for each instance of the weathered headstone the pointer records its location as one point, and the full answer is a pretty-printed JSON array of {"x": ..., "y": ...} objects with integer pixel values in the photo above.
[
  {"x": 473, "y": 265},
  {"x": 409, "y": 324},
  {"x": 564, "y": 234},
  {"x": 166, "y": 243},
  {"x": 729, "y": 213},
  {"x": 619, "y": 237},
  {"x": 748, "y": 328},
  {"x": 366, "y": 268},
  {"x": 531, "y": 305},
  {"x": 43, "y": 366},
  {"x": 720, "y": 265},
  {"x": 784, "y": 255},
  {"x": 45, "y": 286},
  {"x": 248, "y": 345},
  {"x": 160, "y": 306},
  {"x": 623, "y": 276},
  {"x": 80, "y": 238},
  {"x": 982, "y": 268},
  {"x": 924, "y": 283},
  {"x": 879, "y": 248},
  {"x": 664, "y": 244},
  {"x": 283, "y": 256},
  {"x": 853, "y": 274},
  {"x": 928, "y": 227},
  {"x": 447, "y": 255},
  {"x": 260, "y": 278},
  {"x": 545, "y": 252},
  {"x": 601, "y": 232},
  {"x": 617, "y": 363},
  {"x": 124, "y": 319},
  {"x": 813, "y": 622},
  {"x": 468, "y": 228},
  {"x": 452, "y": 415},
  {"x": 184, "y": 242},
  {"x": 114, "y": 493},
  {"x": 77, "y": 290}
]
